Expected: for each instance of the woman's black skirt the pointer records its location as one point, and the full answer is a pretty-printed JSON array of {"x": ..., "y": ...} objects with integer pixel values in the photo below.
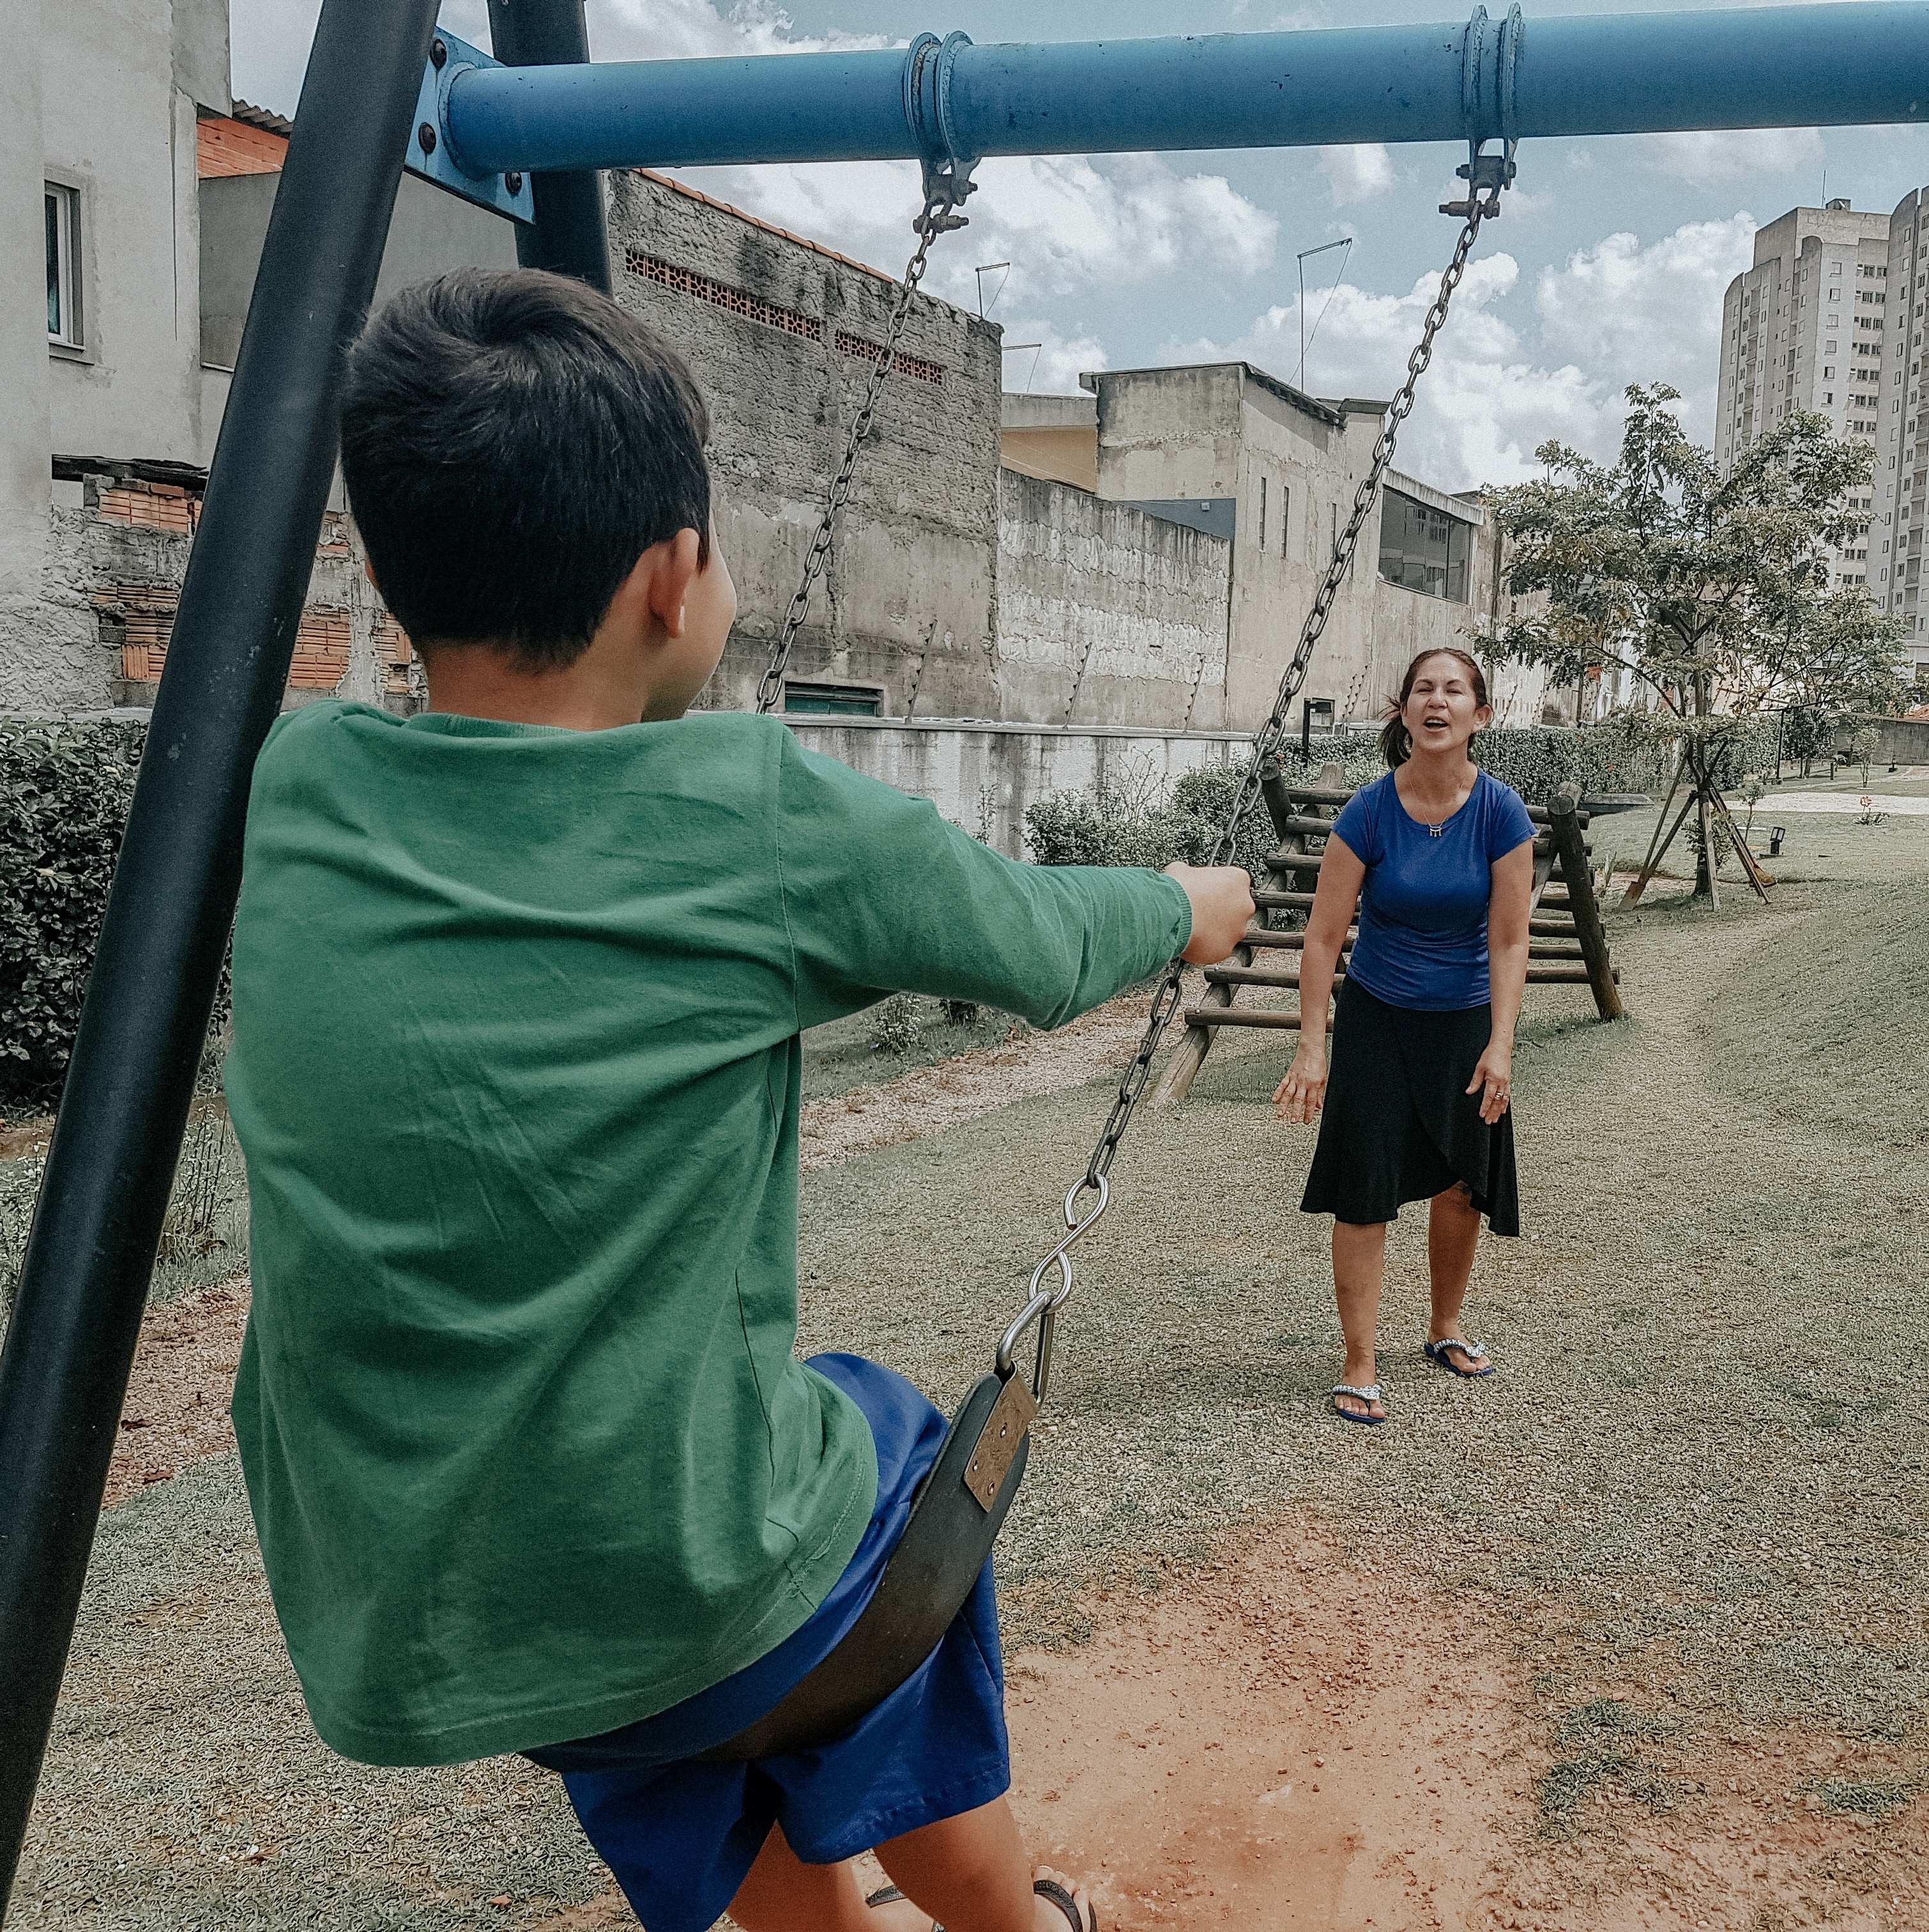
[{"x": 1398, "y": 1125}]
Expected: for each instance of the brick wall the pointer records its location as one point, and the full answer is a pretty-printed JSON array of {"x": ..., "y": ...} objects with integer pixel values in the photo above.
[{"x": 125, "y": 547}]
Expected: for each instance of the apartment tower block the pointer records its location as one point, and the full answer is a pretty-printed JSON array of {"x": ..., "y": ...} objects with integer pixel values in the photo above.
[{"x": 1802, "y": 329}]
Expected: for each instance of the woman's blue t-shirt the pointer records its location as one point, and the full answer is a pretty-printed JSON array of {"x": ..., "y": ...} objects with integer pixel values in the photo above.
[{"x": 1423, "y": 909}]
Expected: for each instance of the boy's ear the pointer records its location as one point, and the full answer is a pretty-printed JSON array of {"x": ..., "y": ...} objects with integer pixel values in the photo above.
[{"x": 661, "y": 578}]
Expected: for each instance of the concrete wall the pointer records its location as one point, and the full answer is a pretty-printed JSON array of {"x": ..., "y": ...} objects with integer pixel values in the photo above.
[
  {"x": 1293, "y": 462},
  {"x": 1899, "y": 741},
  {"x": 982, "y": 776},
  {"x": 1052, "y": 436},
  {"x": 24, "y": 476},
  {"x": 99, "y": 96},
  {"x": 118, "y": 121},
  {"x": 430, "y": 232},
  {"x": 1107, "y": 617},
  {"x": 909, "y": 603}
]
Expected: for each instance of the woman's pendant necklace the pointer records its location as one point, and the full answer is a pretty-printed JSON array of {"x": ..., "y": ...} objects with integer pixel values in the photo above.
[{"x": 1436, "y": 831}]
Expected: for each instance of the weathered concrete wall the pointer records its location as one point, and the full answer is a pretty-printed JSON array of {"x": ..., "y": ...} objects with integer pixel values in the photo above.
[
  {"x": 983, "y": 776},
  {"x": 909, "y": 603},
  {"x": 118, "y": 127},
  {"x": 1899, "y": 741},
  {"x": 1106, "y": 615},
  {"x": 430, "y": 231},
  {"x": 23, "y": 352}
]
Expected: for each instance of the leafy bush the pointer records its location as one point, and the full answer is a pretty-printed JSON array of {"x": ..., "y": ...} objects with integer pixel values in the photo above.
[
  {"x": 898, "y": 1026},
  {"x": 1141, "y": 824},
  {"x": 64, "y": 791}
]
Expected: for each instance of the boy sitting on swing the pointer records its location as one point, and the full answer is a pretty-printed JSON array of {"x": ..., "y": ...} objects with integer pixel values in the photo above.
[{"x": 519, "y": 984}]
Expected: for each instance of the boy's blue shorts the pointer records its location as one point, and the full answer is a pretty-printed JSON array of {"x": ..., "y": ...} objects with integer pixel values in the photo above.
[{"x": 681, "y": 1836}]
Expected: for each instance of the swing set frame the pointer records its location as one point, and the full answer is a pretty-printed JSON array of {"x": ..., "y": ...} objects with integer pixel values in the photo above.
[{"x": 374, "y": 88}]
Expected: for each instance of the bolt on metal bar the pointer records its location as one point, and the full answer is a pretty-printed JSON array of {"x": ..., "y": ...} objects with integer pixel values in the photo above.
[
  {"x": 1864, "y": 62},
  {"x": 77, "y": 1313}
]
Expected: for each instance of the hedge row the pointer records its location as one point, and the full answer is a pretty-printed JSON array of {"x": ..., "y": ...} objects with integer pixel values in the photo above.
[
  {"x": 64, "y": 792},
  {"x": 1102, "y": 828}
]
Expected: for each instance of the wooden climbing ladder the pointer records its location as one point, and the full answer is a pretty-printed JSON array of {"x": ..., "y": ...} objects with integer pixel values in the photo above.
[{"x": 1567, "y": 943}]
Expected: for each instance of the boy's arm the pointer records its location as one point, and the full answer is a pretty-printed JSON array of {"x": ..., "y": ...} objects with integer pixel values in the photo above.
[{"x": 880, "y": 894}]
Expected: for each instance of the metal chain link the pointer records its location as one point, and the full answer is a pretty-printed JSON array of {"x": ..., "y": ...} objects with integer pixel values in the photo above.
[
  {"x": 942, "y": 194},
  {"x": 1042, "y": 1302}
]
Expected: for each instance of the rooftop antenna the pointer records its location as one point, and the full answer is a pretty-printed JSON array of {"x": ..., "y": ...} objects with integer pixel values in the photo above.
[
  {"x": 980, "y": 272},
  {"x": 1305, "y": 341},
  {"x": 1010, "y": 347}
]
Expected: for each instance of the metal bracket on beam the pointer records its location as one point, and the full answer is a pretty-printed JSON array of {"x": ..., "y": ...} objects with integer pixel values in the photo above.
[
  {"x": 927, "y": 113},
  {"x": 433, "y": 155}
]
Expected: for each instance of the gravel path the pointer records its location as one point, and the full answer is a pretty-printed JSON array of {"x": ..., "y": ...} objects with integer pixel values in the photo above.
[
  {"x": 1696, "y": 1494},
  {"x": 1702, "y": 1463}
]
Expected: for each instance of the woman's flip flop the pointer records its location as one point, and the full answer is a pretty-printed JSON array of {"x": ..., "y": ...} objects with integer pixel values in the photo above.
[
  {"x": 1046, "y": 1888},
  {"x": 1370, "y": 1393},
  {"x": 1474, "y": 1351}
]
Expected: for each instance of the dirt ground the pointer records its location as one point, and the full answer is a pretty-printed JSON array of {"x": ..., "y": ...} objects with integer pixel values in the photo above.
[{"x": 1633, "y": 1637}]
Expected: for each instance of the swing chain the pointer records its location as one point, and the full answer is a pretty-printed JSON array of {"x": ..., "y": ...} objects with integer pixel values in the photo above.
[
  {"x": 946, "y": 185},
  {"x": 1487, "y": 175}
]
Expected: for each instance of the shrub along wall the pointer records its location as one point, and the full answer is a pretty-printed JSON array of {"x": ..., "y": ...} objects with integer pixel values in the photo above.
[
  {"x": 64, "y": 792},
  {"x": 1101, "y": 828}
]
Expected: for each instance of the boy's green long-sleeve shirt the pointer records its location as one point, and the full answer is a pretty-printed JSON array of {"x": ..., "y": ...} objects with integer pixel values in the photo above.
[{"x": 516, "y": 1071}]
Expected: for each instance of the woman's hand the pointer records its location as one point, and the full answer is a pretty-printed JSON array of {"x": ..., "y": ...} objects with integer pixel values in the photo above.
[
  {"x": 1301, "y": 1093},
  {"x": 1492, "y": 1080}
]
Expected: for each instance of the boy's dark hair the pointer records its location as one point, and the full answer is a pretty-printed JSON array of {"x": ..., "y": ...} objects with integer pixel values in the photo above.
[{"x": 512, "y": 442}]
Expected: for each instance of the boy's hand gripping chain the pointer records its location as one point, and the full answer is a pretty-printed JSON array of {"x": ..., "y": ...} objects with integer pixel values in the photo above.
[
  {"x": 1486, "y": 176},
  {"x": 946, "y": 184}
]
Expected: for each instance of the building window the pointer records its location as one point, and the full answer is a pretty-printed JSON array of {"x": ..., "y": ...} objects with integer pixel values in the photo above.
[
  {"x": 63, "y": 208},
  {"x": 837, "y": 701},
  {"x": 1423, "y": 549},
  {"x": 1262, "y": 515},
  {"x": 1285, "y": 505}
]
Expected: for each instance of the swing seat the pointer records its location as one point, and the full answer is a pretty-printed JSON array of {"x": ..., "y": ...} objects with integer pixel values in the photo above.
[{"x": 926, "y": 1578}]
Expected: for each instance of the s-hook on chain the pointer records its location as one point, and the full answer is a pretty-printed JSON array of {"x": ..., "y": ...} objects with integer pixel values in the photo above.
[
  {"x": 945, "y": 186},
  {"x": 1485, "y": 176}
]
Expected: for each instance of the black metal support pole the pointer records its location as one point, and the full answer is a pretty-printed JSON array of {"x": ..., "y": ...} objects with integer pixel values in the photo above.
[
  {"x": 77, "y": 1316},
  {"x": 569, "y": 236}
]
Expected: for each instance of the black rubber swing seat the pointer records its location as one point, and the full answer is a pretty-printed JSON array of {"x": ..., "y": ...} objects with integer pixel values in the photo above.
[{"x": 926, "y": 1581}]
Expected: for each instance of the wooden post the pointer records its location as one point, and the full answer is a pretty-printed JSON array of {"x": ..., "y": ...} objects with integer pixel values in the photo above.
[
  {"x": 1189, "y": 1055},
  {"x": 1651, "y": 865},
  {"x": 1564, "y": 819}
]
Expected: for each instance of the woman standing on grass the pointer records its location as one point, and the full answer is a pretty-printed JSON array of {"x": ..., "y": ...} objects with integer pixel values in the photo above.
[{"x": 1441, "y": 857}]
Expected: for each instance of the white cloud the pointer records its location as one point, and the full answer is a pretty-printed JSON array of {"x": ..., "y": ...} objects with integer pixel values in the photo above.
[
  {"x": 1613, "y": 313},
  {"x": 1357, "y": 173},
  {"x": 1705, "y": 158},
  {"x": 1636, "y": 314},
  {"x": 688, "y": 29},
  {"x": 270, "y": 37},
  {"x": 1064, "y": 223},
  {"x": 1483, "y": 405}
]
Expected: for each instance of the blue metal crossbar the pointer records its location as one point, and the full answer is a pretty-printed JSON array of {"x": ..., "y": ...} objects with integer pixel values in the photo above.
[{"x": 1486, "y": 79}]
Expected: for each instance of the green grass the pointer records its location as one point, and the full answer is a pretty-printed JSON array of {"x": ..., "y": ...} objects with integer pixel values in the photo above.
[{"x": 839, "y": 1057}]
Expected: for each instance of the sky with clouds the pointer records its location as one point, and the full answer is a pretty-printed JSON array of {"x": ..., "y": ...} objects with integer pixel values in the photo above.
[{"x": 1607, "y": 267}]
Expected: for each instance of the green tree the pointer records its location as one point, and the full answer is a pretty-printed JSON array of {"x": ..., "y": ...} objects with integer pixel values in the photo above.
[{"x": 1707, "y": 587}]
